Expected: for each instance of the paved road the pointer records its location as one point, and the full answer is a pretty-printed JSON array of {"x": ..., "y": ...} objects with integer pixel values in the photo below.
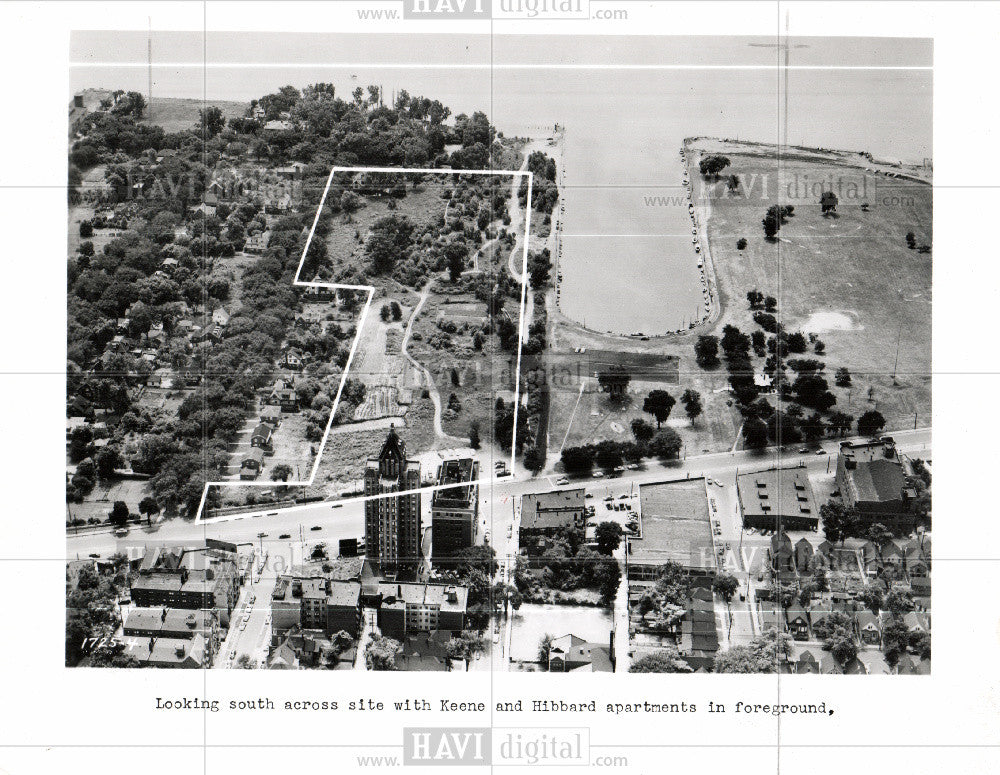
[{"x": 346, "y": 519}]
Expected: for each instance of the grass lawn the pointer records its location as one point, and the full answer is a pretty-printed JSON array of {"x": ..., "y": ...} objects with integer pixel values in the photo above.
[
  {"x": 176, "y": 114},
  {"x": 850, "y": 279}
]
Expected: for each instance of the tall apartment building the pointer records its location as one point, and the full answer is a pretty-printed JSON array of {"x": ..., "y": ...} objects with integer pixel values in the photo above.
[
  {"x": 455, "y": 510},
  {"x": 392, "y": 524}
]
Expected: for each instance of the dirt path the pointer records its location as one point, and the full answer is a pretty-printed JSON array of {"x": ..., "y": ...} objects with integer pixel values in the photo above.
[{"x": 431, "y": 387}]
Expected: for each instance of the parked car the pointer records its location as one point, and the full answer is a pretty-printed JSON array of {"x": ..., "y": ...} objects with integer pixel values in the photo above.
[
  {"x": 315, "y": 527},
  {"x": 284, "y": 536},
  {"x": 562, "y": 480}
]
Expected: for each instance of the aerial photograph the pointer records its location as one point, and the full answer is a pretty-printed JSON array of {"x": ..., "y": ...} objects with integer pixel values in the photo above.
[{"x": 622, "y": 365}]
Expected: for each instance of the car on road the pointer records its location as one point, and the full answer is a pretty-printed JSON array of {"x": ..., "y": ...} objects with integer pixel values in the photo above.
[
  {"x": 804, "y": 451},
  {"x": 121, "y": 531},
  {"x": 315, "y": 527},
  {"x": 232, "y": 655},
  {"x": 253, "y": 598},
  {"x": 588, "y": 495},
  {"x": 597, "y": 474},
  {"x": 283, "y": 536},
  {"x": 95, "y": 556},
  {"x": 562, "y": 480},
  {"x": 820, "y": 451}
]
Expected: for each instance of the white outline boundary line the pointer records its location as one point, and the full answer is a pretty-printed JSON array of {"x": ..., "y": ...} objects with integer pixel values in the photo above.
[{"x": 199, "y": 519}]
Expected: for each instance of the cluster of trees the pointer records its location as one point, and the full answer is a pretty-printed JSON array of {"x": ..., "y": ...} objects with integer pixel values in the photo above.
[
  {"x": 762, "y": 655},
  {"x": 90, "y": 607},
  {"x": 544, "y": 191},
  {"x": 567, "y": 564},
  {"x": 609, "y": 454},
  {"x": 775, "y": 217}
]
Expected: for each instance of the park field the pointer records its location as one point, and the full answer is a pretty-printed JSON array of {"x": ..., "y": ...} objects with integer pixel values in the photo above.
[{"x": 848, "y": 277}]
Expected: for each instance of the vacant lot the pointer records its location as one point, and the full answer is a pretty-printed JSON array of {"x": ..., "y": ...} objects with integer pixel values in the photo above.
[
  {"x": 847, "y": 277},
  {"x": 178, "y": 114},
  {"x": 443, "y": 342},
  {"x": 346, "y": 240}
]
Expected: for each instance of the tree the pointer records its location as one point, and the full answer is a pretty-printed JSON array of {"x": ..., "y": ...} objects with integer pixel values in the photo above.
[
  {"x": 86, "y": 229},
  {"x": 771, "y": 224},
  {"x": 911, "y": 240},
  {"x": 609, "y": 537},
  {"x": 843, "y": 377},
  {"x": 380, "y": 653},
  {"x": 692, "y": 403},
  {"x": 726, "y": 585},
  {"x": 666, "y": 660},
  {"x": 741, "y": 243},
  {"x": 840, "y": 423},
  {"x": 281, "y": 472},
  {"x": 839, "y": 521},
  {"x": 813, "y": 427},
  {"x": 211, "y": 121},
  {"x": 455, "y": 255},
  {"x": 872, "y": 597},
  {"x": 706, "y": 351},
  {"x": 659, "y": 403},
  {"x": 870, "y": 423},
  {"x": 474, "y": 440},
  {"x": 119, "y": 514},
  {"x": 754, "y": 433},
  {"x": 666, "y": 444},
  {"x": 762, "y": 655},
  {"x": 828, "y": 203},
  {"x": 577, "y": 460},
  {"x": 149, "y": 507},
  {"x": 840, "y": 642},
  {"x": 534, "y": 459},
  {"x": 614, "y": 381},
  {"x": 390, "y": 239},
  {"x": 545, "y": 648},
  {"x": 642, "y": 430},
  {"x": 712, "y": 165},
  {"x": 755, "y": 299}
]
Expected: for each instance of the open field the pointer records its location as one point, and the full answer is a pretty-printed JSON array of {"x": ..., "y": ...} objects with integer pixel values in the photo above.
[
  {"x": 848, "y": 278},
  {"x": 176, "y": 114}
]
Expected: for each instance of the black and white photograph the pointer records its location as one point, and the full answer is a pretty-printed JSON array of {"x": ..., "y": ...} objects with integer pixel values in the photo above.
[{"x": 493, "y": 339}]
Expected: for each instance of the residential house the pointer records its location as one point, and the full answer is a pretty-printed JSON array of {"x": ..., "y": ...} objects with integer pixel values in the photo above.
[
  {"x": 271, "y": 415},
  {"x": 803, "y": 554},
  {"x": 261, "y": 436},
  {"x": 869, "y": 628},
  {"x": 798, "y": 622},
  {"x": 780, "y": 552},
  {"x": 252, "y": 464},
  {"x": 573, "y": 654}
]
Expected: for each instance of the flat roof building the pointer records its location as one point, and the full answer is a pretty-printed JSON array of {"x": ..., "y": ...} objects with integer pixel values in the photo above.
[
  {"x": 780, "y": 499},
  {"x": 455, "y": 509}
]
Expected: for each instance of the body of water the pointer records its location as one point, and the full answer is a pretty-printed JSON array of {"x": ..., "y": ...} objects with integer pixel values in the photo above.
[{"x": 628, "y": 263}]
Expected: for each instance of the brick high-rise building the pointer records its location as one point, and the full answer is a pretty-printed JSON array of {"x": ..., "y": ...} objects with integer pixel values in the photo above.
[{"x": 392, "y": 524}]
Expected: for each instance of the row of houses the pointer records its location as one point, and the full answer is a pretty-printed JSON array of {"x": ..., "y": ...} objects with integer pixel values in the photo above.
[{"x": 802, "y": 623}]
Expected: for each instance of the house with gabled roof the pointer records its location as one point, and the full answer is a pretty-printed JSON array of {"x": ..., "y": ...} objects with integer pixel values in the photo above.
[
  {"x": 252, "y": 464},
  {"x": 798, "y": 622},
  {"x": 869, "y": 628}
]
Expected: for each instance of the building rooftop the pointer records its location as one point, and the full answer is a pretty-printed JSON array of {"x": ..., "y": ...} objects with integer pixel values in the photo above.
[
  {"x": 675, "y": 525},
  {"x": 456, "y": 471},
  {"x": 783, "y": 491},
  {"x": 450, "y": 597},
  {"x": 541, "y": 510}
]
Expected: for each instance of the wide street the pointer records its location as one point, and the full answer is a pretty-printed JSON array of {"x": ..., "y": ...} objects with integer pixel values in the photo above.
[{"x": 345, "y": 519}]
